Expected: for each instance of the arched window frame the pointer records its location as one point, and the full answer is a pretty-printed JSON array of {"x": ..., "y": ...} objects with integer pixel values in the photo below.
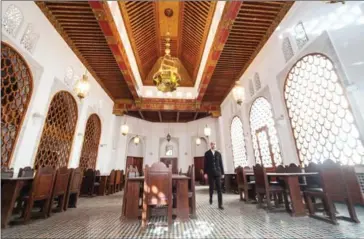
[
  {"x": 26, "y": 107},
  {"x": 244, "y": 160},
  {"x": 344, "y": 94}
]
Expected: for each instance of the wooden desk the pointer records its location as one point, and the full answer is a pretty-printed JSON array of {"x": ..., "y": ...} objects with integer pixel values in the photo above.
[
  {"x": 10, "y": 189},
  {"x": 130, "y": 208}
]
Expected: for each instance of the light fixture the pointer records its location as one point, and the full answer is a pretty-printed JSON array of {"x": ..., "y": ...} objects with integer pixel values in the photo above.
[
  {"x": 124, "y": 128},
  {"x": 238, "y": 93},
  {"x": 136, "y": 140},
  {"x": 82, "y": 86},
  {"x": 167, "y": 77},
  {"x": 207, "y": 131},
  {"x": 168, "y": 135},
  {"x": 198, "y": 141}
]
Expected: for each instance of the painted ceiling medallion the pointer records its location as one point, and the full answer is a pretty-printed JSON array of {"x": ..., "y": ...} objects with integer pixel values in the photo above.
[
  {"x": 168, "y": 12},
  {"x": 167, "y": 78}
]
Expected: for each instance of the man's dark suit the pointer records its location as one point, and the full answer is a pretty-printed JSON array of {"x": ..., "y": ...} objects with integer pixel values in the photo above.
[{"x": 214, "y": 170}]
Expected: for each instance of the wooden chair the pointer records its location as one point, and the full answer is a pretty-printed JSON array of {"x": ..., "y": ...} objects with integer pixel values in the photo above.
[
  {"x": 192, "y": 191},
  {"x": 26, "y": 172},
  {"x": 263, "y": 188},
  {"x": 243, "y": 184},
  {"x": 89, "y": 183},
  {"x": 353, "y": 185},
  {"x": 157, "y": 190},
  {"x": 111, "y": 183},
  {"x": 41, "y": 191},
  {"x": 7, "y": 172},
  {"x": 59, "y": 188},
  {"x": 333, "y": 189},
  {"x": 74, "y": 187},
  {"x": 117, "y": 180},
  {"x": 122, "y": 180}
]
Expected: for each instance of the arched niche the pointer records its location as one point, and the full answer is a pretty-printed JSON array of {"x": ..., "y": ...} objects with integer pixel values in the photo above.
[
  {"x": 136, "y": 150},
  {"x": 164, "y": 145},
  {"x": 199, "y": 150}
]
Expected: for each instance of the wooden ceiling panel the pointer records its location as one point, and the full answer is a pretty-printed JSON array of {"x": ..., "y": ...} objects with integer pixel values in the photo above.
[
  {"x": 168, "y": 116},
  {"x": 252, "y": 27},
  {"x": 140, "y": 20},
  {"x": 77, "y": 24}
]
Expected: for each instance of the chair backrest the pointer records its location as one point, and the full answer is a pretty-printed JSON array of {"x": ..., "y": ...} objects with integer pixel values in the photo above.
[
  {"x": 122, "y": 176},
  {"x": 7, "y": 172},
  {"x": 189, "y": 170},
  {"x": 313, "y": 181},
  {"x": 61, "y": 181},
  {"x": 180, "y": 171},
  {"x": 88, "y": 181},
  {"x": 293, "y": 168},
  {"x": 26, "y": 172},
  {"x": 158, "y": 184},
  {"x": 353, "y": 184},
  {"x": 240, "y": 176},
  {"x": 75, "y": 180},
  {"x": 112, "y": 177},
  {"x": 261, "y": 181},
  {"x": 97, "y": 173},
  {"x": 43, "y": 183},
  {"x": 280, "y": 169},
  {"x": 333, "y": 180},
  {"x": 192, "y": 180},
  {"x": 118, "y": 177}
]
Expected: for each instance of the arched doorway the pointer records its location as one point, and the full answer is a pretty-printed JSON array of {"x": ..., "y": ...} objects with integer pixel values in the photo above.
[
  {"x": 264, "y": 134},
  {"x": 16, "y": 92},
  {"x": 238, "y": 143},
  {"x": 58, "y": 132},
  {"x": 321, "y": 118},
  {"x": 90, "y": 146}
]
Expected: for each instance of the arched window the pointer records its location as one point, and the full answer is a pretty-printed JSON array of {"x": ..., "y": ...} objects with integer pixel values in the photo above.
[
  {"x": 257, "y": 82},
  {"x": 58, "y": 131},
  {"x": 91, "y": 142},
  {"x": 16, "y": 91},
  {"x": 238, "y": 143},
  {"x": 322, "y": 122},
  {"x": 12, "y": 20},
  {"x": 264, "y": 134}
]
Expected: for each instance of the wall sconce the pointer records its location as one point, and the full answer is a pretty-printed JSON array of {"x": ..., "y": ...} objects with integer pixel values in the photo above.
[
  {"x": 238, "y": 93},
  {"x": 136, "y": 140},
  {"x": 198, "y": 141},
  {"x": 82, "y": 87},
  {"x": 124, "y": 129}
]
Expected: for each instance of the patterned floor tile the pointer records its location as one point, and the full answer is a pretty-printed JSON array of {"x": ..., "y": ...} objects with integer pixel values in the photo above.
[{"x": 98, "y": 217}]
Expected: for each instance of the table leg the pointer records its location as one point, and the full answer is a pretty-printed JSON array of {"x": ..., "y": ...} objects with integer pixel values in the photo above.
[
  {"x": 9, "y": 192},
  {"x": 132, "y": 200},
  {"x": 298, "y": 208},
  {"x": 182, "y": 200}
]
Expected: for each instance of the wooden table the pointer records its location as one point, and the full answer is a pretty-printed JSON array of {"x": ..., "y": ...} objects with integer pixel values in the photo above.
[
  {"x": 10, "y": 189},
  {"x": 130, "y": 207}
]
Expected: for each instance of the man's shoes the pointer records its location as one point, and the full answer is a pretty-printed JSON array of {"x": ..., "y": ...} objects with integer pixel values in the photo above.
[
  {"x": 221, "y": 207},
  {"x": 210, "y": 201}
]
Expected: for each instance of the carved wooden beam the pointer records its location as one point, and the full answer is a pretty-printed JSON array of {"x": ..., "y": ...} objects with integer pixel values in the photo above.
[
  {"x": 155, "y": 104},
  {"x": 108, "y": 26},
  {"x": 231, "y": 11}
]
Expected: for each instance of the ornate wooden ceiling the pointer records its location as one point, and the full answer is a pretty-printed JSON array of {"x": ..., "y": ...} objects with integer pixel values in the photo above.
[
  {"x": 147, "y": 25},
  {"x": 89, "y": 29}
]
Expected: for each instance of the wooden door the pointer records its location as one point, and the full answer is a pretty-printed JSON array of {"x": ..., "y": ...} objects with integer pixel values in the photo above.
[
  {"x": 171, "y": 161},
  {"x": 199, "y": 164},
  {"x": 264, "y": 146}
]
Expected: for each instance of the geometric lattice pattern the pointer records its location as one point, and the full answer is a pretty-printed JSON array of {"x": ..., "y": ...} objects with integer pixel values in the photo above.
[
  {"x": 99, "y": 217},
  {"x": 12, "y": 20},
  {"x": 257, "y": 82},
  {"x": 261, "y": 117},
  {"x": 287, "y": 49},
  {"x": 251, "y": 87},
  {"x": 238, "y": 143},
  {"x": 361, "y": 181},
  {"x": 322, "y": 122},
  {"x": 16, "y": 91},
  {"x": 91, "y": 142},
  {"x": 57, "y": 137},
  {"x": 29, "y": 38},
  {"x": 300, "y": 35}
]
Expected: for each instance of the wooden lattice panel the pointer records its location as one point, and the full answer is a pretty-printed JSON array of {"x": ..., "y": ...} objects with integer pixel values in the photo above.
[
  {"x": 58, "y": 131},
  {"x": 196, "y": 21},
  {"x": 16, "y": 91},
  {"x": 91, "y": 141},
  {"x": 254, "y": 24}
]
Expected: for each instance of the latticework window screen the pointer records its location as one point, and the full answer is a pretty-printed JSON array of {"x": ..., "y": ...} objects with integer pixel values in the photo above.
[
  {"x": 238, "y": 143},
  {"x": 91, "y": 142},
  {"x": 261, "y": 117},
  {"x": 16, "y": 91},
  {"x": 322, "y": 122},
  {"x": 58, "y": 132}
]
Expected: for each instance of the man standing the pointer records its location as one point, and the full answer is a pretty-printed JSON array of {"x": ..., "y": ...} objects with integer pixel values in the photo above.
[{"x": 214, "y": 170}]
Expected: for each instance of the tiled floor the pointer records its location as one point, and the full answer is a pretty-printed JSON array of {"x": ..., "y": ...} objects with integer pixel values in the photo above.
[{"x": 99, "y": 218}]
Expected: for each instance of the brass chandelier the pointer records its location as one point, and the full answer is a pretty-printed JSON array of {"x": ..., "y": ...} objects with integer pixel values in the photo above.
[{"x": 167, "y": 77}]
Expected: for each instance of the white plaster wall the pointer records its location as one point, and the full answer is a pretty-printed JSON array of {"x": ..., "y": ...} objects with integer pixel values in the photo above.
[
  {"x": 343, "y": 25},
  {"x": 48, "y": 63}
]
